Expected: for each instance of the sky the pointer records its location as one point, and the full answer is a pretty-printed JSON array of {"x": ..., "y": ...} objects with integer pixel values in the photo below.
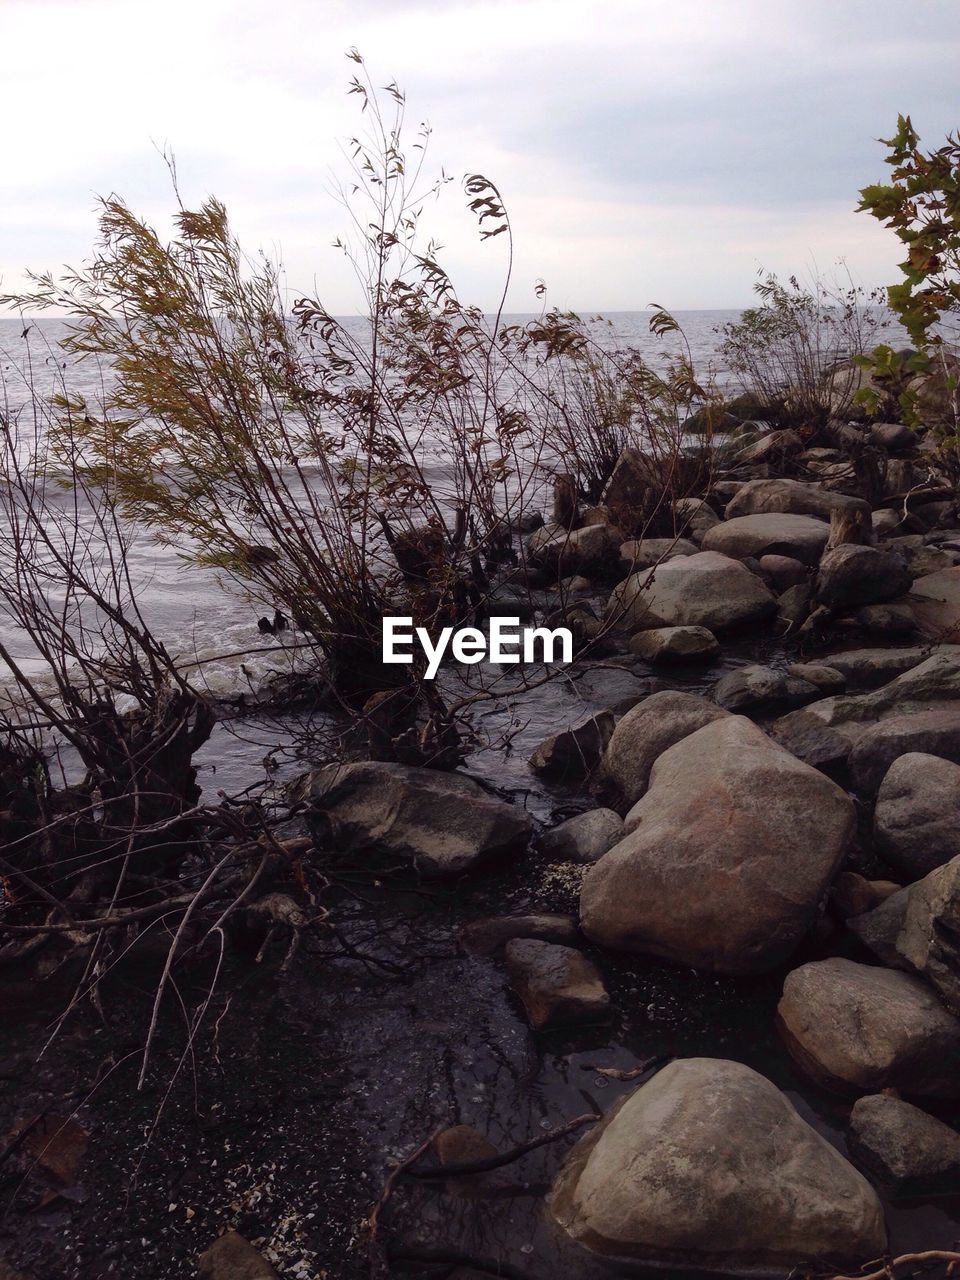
[{"x": 647, "y": 150}]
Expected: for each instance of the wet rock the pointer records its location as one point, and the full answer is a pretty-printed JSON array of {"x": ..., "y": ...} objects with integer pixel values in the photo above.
[
  {"x": 53, "y": 1146},
  {"x": 801, "y": 538},
  {"x": 706, "y": 590},
  {"x": 708, "y": 1166},
  {"x": 789, "y": 497},
  {"x": 783, "y": 572},
  {"x": 462, "y": 1144},
  {"x": 855, "y": 895},
  {"x": 556, "y": 985},
  {"x": 935, "y": 600},
  {"x": 826, "y": 678},
  {"x": 726, "y": 857},
  {"x": 441, "y": 823},
  {"x": 644, "y": 734},
  {"x": 644, "y": 553},
  {"x": 811, "y": 741},
  {"x": 793, "y": 607},
  {"x": 675, "y": 644},
  {"x": 233, "y": 1258},
  {"x": 855, "y": 1028},
  {"x": 935, "y": 732},
  {"x": 577, "y": 550},
  {"x": 917, "y": 818},
  {"x": 906, "y": 1148},
  {"x": 851, "y": 576},
  {"x": 583, "y": 838},
  {"x": 574, "y": 753},
  {"x": 893, "y": 619},
  {"x": 869, "y": 668},
  {"x": 929, "y": 938},
  {"x": 694, "y": 517},
  {"x": 490, "y": 935},
  {"x": 879, "y": 929},
  {"x": 756, "y": 689}
]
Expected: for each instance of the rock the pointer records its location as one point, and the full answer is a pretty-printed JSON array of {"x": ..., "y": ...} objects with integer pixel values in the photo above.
[
  {"x": 462, "y": 1144},
  {"x": 855, "y": 1028},
  {"x": 575, "y": 586},
  {"x": 615, "y": 687},
  {"x": 442, "y": 823},
  {"x": 635, "y": 488},
  {"x": 772, "y": 447},
  {"x": 694, "y": 517},
  {"x": 801, "y": 538},
  {"x": 644, "y": 734},
  {"x": 935, "y": 732},
  {"x": 577, "y": 550},
  {"x": 917, "y": 817},
  {"x": 707, "y": 1166},
  {"x": 935, "y": 600},
  {"x": 901, "y": 1144},
  {"x": 706, "y": 590},
  {"x": 675, "y": 644},
  {"x": 879, "y": 929},
  {"x": 868, "y": 668},
  {"x": 793, "y": 607},
  {"x": 233, "y": 1258},
  {"x": 756, "y": 689},
  {"x": 933, "y": 684},
  {"x": 929, "y": 938},
  {"x": 574, "y": 753},
  {"x": 854, "y": 895},
  {"x": 922, "y": 561},
  {"x": 783, "y": 572},
  {"x": 583, "y": 838},
  {"x": 491, "y": 934},
  {"x": 789, "y": 497},
  {"x": 851, "y": 576},
  {"x": 53, "y": 1146},
  {"x": 894, "y": 619},
  {"x": 811, "y": 741},
  {"x": 892, "y": 435},
  {"x": 826, "y": 678},
  {"x": 644, "y": 553},
  {"x": 886, "y": 521},
  {"x": 555, "y": 984},
  {"x": 726, "y": 857}
]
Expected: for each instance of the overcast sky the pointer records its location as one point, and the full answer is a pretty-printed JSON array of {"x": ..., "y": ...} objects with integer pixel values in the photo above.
[{"x": 647, "y": 151}]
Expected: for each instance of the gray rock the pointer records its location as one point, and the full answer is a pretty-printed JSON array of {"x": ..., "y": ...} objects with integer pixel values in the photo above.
[
  {"x": 694, "y": 517},
  {"x": 756, "y": 689},
  {"x": 491, "y": 934},
  {"x": 929, "y": 939},
  {"x": 583, "y": 838},
  {"x": 442, "y": 823},
  {"x": 644, "y": 734},
  {"x": 644, "y": 553},
  {"x": 577, "y": 550},
  {"x": 726, "y": 857},
  {"x": 886, "y": 521},
  {"x": 789, "y": 497},
  {"x": 556, "y": 985},
  {"x": 811, "y": 741},
  {"x": 793, "y": 607},
  {"x": 615, "y": 688},
  {"x": 935, "y": 732},
  {"x": 675, "y": 644},
  {"x": 869, "y": 668},
  {"x": 574, "y": 753},
  {"x": 772, "y": 447},
  {"x": 708, "y": 1166},
  {"x": 783, "y": 572},
  {"x": 826, "y": 678},
  {"x": 893, "y": 619},
  {"x": 802, "y": 538},
  {"x": 851, "y": 576},
  {"x": 935, "y": 600},
  {"x": 462, "y": 1144},
  {"x": 917, "y": 818},
  {"x": 892, "y": 435},
  {"x": 855, "y": 895},
  {"x": 706, "y": 590},
  {"x": 901, "y": 1144},
  {"x": 880, "y": 928},
  {"x": 855, "y": 1028},
  {"x": 231, "y": 1257}
]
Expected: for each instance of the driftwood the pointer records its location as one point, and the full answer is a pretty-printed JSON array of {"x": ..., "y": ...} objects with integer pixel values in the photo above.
[
  {"x": 850, "y": 528},
  {"x": 925, "y": 1258}
]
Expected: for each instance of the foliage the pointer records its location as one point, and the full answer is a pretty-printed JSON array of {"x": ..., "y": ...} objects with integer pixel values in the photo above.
[
  {"x": 796, "y": 348},
  {"x": 921, "y": 203}
]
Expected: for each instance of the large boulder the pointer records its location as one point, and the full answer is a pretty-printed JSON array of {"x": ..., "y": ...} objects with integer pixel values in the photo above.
[
  {"x": 934, "y": 732},
  {"x": 441, "y": 823},
  {"x": 801, "y": 538},
  {"x": 789, "y": 497},
  {"x": 708, "y": 1166},
  {"x": 917, "y": 818},
  {"x": 856, "y": 1029},
  {"x": 645, "y": 733},
  {"x": 935, "y": 599},
  {"x": 756, "y": 689},
  {"x": 706, "y": 590},
  {"x": 929, "y": 938},
  {"x": 726, "y": 857},
  {"x": 906, "y": 1148},
  {"x": 851, "y": 576}
]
